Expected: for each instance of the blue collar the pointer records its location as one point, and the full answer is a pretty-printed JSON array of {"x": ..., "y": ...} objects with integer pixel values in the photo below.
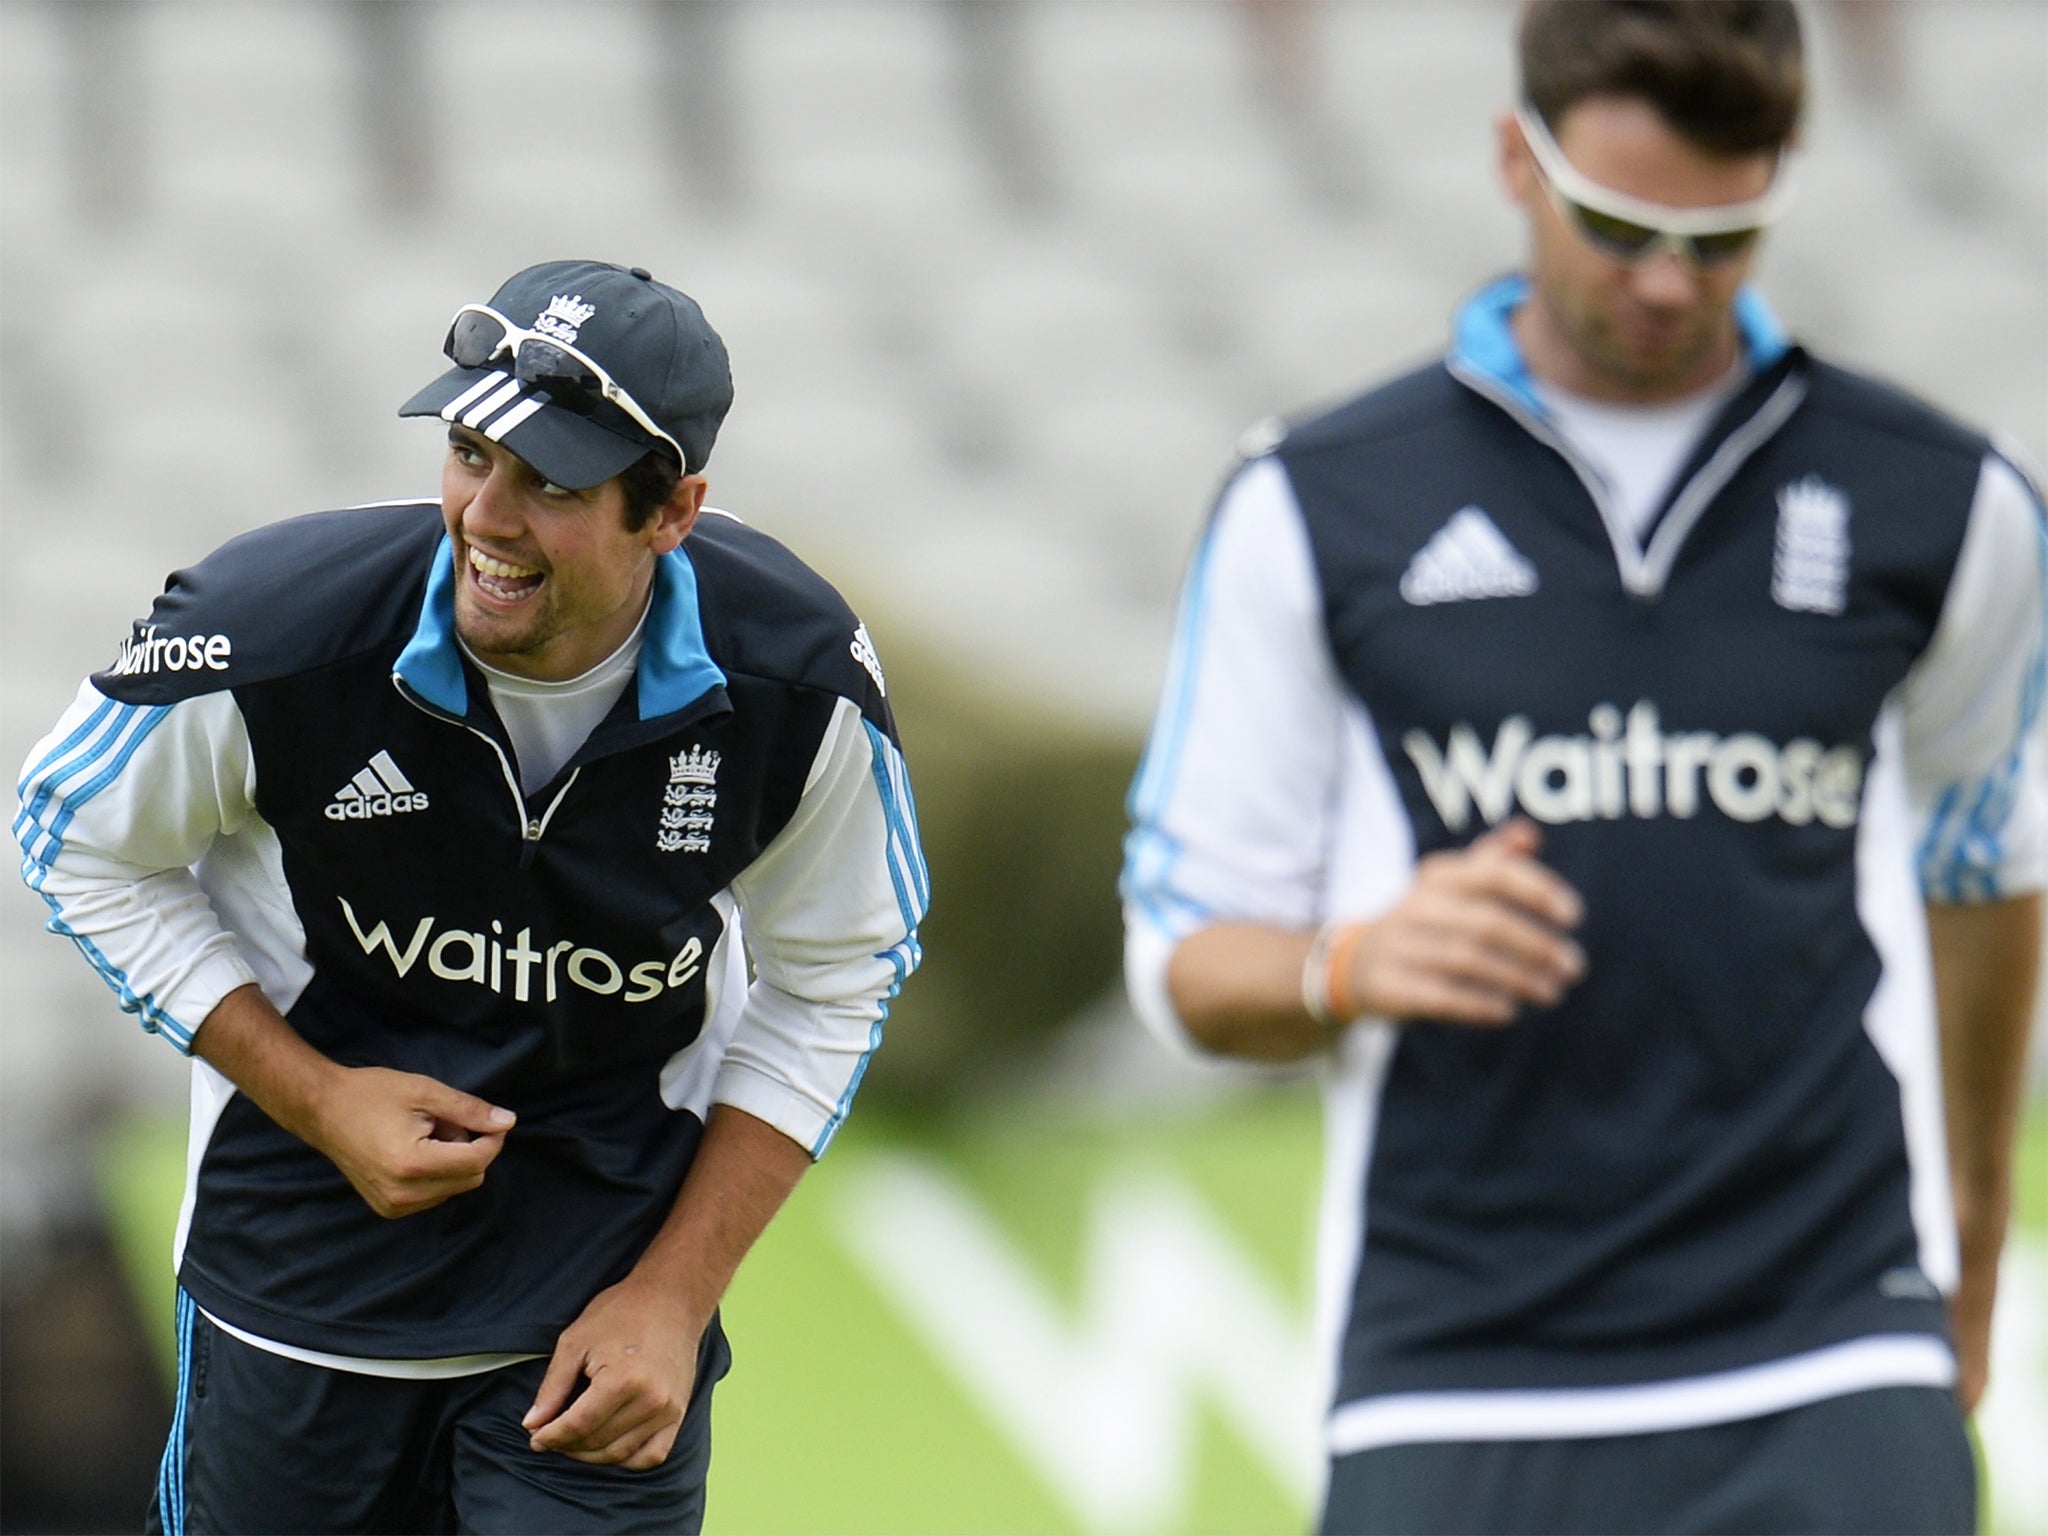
[
  {"x": 1483, "y": 342},
  {"x": 675, "y": 668}
]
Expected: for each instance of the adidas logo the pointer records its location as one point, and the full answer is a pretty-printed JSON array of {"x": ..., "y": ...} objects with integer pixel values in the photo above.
[
  {"x": 378, "y": 789},
  {"x": 1467, "y": 558}
]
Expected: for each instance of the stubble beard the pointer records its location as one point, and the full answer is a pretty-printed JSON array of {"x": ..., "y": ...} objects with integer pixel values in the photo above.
[
  {"x": 1603, "y": 345},
  {"x": 496, "y": 634}
]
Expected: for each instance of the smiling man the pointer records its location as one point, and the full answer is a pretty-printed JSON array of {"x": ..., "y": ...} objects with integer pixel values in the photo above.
[
  {"x": 1614, "y": 752},
  {"x": 528, "y": 877}
]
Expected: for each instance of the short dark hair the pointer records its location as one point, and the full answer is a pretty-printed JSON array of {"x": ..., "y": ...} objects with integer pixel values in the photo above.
[
  {"x": 1728, "y": 75},
  {"x": 648, "y": 482}
]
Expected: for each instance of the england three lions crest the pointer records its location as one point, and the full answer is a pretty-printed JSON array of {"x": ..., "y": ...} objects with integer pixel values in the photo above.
[
  {"x": 1810, "y": 563},
  {"x": 688, "y": 802}
]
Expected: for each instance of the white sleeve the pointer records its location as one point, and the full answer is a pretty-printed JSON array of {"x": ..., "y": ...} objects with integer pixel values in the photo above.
[
  {"x": 117, "y": 803},
  {"x": 831, "y": 910},
  {"x": 1971, "y": 706},
  {"x": 1234, "y": 801}
]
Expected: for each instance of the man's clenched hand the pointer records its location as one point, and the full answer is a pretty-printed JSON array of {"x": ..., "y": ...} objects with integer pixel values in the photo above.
[
  {"x": 1480, "y": 935},
  {"x": 406, "y": 1142}
]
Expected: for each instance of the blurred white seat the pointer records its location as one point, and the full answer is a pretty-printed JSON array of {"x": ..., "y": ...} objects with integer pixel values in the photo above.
[
  {"x": 1149, "y": 113},
  {"x": 1417, "y": 85},
  {"x": 1330, "y": 317},
  {"x": 797, "y": 459},
  {"x": 788, "y": 324},
  {"x": 1133, "y": 462},
  {"x": 543, "y": 121},
  {"x": 249, "y": 114},
  {"x": 890, "y": 324},
  {"x": 1037, "y": 314},
  {"x": 851, "y": 112},
  {"x": 35, "y": 176}
]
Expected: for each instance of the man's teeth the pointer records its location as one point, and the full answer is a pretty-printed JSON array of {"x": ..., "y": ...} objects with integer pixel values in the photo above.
[{"x": 502, "y": 568}]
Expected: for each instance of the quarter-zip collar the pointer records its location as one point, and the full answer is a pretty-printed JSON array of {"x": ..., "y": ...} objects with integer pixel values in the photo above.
[
  {"x": 675, "y": 669},
  {"x": 1485, "y": 358},
  {"x": 1483, "y": 343},
  {"x": 431, "y": 663}
]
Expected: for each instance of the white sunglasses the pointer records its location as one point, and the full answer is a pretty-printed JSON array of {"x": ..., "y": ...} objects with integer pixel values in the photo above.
[
  {"x": 478, "y": 334},
  {"x": 1630, "y": 229}
]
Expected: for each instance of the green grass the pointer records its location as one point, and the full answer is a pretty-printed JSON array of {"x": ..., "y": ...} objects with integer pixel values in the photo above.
[{"x": 838, "y": 1418}]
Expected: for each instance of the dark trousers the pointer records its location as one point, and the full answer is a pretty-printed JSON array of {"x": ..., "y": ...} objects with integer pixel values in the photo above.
[
  {"x": 264, "y": 1444},
  {"x": 1893, "y": 1460}
]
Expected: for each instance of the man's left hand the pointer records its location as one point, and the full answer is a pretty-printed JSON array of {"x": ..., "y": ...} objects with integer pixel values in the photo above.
[{"x": 637, "y": 1353}]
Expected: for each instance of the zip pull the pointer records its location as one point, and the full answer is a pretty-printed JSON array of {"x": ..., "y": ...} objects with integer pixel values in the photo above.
[{"x": 535, "y": 826}]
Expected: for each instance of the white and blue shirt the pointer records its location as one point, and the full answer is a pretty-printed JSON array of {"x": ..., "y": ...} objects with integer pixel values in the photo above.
[
  {"x": 1758, "y": 731},
  {"x": 293, "y": 776}
]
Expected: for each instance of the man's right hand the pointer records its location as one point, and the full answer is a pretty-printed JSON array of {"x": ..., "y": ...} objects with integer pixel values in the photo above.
[
  {"x": 1481, "y": 934},
  {"x": 406, "y": 1142}
]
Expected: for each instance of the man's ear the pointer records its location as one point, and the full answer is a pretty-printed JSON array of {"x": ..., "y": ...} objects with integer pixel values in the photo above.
[
  {"x": 672, "y": 524},
  {"x": 1513, "y": 160}
]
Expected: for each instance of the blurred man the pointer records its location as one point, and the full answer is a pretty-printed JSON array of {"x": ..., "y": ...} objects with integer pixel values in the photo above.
[
  {"x": 1562, "y": 740},
  {"x": 442, "y": 837}
]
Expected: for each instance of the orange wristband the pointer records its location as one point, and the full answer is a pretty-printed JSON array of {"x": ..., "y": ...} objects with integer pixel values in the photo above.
[
  {"x": 1325, "y": 973},
  {"x": 1337, "y": 983}
]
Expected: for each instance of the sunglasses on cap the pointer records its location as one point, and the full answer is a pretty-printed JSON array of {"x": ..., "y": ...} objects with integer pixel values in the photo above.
[
  {"x": 479, "y": 335},
  {"x": 1630, "y": 229}
]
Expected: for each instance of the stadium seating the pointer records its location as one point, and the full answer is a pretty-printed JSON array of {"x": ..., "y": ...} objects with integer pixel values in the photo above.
[{"x": 1002, "y": 283}]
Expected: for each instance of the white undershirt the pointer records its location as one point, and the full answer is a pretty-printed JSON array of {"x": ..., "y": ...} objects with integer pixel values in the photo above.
[
  {"x": 549, "y": 721},
  {"x": 443, "y": 1369},
  {"x": 1638, "y": 449}
]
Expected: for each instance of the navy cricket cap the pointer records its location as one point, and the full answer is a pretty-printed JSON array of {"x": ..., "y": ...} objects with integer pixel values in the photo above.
[{"x": 652, "y": 341}]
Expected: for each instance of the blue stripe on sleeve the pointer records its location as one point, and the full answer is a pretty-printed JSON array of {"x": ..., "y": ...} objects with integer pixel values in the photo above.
[
  {"x": 137, "y": 732},
  {"x": 77, "y": 755},
  {"x": 1161, "y": 762},
  {"x": 33, "y": 823},
  {"x": 1963, "y": 852},
  {"x": 1931, "y": 845},
  {"x": 144, "y": 1006},
  {"x": 911, "y": 879},
  {"x": 86, "y": 728},
  {"x": 126, "y": 727},
  {"x": 860, "y": 1069},
  {"x": 1149, "y": 851},
  {"x": 906, "y": 860}
]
